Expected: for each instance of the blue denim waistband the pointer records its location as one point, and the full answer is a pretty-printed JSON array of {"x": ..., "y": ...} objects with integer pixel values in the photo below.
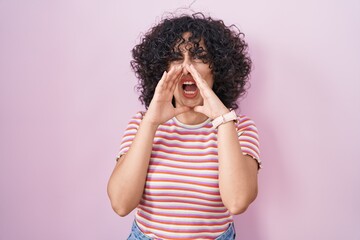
[{"x": 136, "y": 233}]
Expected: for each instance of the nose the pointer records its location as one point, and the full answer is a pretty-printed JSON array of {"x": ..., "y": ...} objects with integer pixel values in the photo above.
[
  {"x": 187, "y": 61},
  {"x": 184, "y": 69}
]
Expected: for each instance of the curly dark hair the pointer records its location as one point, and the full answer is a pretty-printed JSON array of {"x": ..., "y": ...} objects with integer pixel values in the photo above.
[{"x": 226, "y": 53}]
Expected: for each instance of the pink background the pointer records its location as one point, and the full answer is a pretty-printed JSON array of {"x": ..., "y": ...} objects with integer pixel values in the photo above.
[{"x": 66, "y": 94}]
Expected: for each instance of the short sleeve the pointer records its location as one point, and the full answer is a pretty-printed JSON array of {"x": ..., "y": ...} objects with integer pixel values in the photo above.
[
  {"x": 248, "y": 137},
  {"x": 130, "y": 133}
]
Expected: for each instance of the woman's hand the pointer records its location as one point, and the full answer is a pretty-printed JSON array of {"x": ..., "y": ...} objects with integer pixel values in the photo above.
[
  {"x": 212, "y": 107},
  {"x": 161, "y": 108}
]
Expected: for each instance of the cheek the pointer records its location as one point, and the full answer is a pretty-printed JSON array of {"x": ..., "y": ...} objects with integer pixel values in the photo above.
[
  {"x": 170, "y": 66},
  {"x": 210, "y": 83},
  {"x": 206, "y": 73},
  {"x": 177, "y": 92},
  {"x": 202, "y": 68}
]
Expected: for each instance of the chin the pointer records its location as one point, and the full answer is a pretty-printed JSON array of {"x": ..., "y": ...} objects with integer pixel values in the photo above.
[{"x": 192, "y": 104}]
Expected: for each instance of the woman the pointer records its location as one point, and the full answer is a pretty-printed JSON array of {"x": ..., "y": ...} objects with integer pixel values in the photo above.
[{"x": 189, "y": 162}]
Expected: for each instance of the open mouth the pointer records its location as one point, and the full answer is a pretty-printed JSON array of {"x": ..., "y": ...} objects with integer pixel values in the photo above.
[{"x": 189, "y": 87}]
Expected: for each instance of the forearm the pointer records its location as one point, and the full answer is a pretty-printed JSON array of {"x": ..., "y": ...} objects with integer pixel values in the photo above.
[
  {"x": 126, "y": 184},
  {"x": 237, "y": 172}
]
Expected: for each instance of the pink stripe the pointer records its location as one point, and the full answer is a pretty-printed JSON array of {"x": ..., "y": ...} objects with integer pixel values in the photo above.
[
  {"x": 169, "y": 136},
  {"x": 250, "y": 145},
  {"x": 185, "y": 133},
  {"x": 250, "y": 134},
  {"x": 164, "y": 180},
  {"x": 186, "y": 208},
  {"x": 161, "y": 163},
  {"x": 188, "y": 189},
  {"x": 184, "y": 195},
  {"x": 175, "y": 151},
  {"x": 153, "y": 211},
  {"x": 196, "y": 145},
  {"x": 172, "y": 124},
  {"x": 172, "y": 172},
  {"x": 181, "y": 159},
  {"x": 177, "y": 200}
]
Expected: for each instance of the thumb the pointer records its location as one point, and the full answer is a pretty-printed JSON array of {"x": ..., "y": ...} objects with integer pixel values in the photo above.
[
  {"x": 200, "y": 109},
  {"x": 180, "y": 110}
]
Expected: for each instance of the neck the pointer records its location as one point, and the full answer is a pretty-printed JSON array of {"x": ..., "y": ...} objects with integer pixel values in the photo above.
[{"x": 191, "y": 117}]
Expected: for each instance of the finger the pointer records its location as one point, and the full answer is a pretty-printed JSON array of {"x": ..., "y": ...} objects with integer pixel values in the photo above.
[
  {"x": 174, "y": 71},
  {"x": 202, "y": 85},
  {"x": 175, "y": 78},
  {"x": 171, "y": 75},
  {"x": 200, "y": 82},
  {"x": 161, "y": 84},
  {"x": 175, "y": 83},
  {"x": 200, "y": 109}
]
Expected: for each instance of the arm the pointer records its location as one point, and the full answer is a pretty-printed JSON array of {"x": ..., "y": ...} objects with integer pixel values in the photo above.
[
  {"x": 127, "y": 182},
  {"x": 237, "y": 172}
]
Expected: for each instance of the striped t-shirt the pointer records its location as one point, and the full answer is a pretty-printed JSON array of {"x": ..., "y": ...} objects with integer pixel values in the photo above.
[{"x": 181, "y": 199}]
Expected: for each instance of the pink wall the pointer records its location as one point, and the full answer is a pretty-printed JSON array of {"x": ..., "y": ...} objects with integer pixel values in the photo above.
[{"x": 66, "y": 94}]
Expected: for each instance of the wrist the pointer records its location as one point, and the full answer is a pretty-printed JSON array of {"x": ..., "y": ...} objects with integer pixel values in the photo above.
[
  {"x": 221, "y": 112},
  {"x": 224, "y": 118},
  {"x": 146, "y": 121}
]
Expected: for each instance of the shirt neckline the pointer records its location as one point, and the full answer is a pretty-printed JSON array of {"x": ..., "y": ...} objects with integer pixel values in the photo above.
[{"x": 191, "y": 126}]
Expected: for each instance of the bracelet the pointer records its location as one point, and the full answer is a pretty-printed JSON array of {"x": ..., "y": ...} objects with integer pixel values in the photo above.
[{"x": 227, "y": 117}]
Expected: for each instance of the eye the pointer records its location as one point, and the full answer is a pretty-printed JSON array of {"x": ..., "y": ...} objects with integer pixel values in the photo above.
[
  {"x": 200, "y": 54},
  {"x": 176, "y": 56}
]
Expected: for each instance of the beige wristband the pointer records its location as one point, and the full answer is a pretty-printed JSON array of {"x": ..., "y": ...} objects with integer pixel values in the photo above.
[{"x": 227, "y": 117}]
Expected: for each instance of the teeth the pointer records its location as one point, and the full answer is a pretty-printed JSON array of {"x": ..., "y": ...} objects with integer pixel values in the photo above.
[
  {"x": 189, "y": 92},
  {"x": 189, "y": 83}
]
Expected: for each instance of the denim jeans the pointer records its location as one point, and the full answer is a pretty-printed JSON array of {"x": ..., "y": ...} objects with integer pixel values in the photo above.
[{"x": 136, "y": 233}]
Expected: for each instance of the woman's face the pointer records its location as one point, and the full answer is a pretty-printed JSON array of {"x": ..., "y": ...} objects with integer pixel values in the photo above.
[{"x": 186, "y": 92}]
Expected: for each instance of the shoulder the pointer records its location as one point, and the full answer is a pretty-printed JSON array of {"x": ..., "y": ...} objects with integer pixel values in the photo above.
[
  {"x": 247, "y": 127},
  {"x": 243, "y": 121},
  {"x": 138, "y": 116},
  {"x": 136, "y": 119}
]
